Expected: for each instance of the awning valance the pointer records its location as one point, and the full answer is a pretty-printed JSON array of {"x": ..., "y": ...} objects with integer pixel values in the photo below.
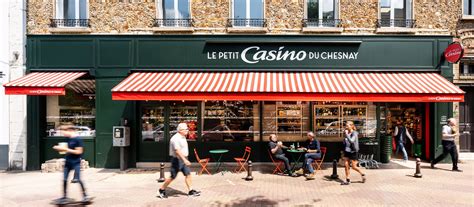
[
  {"x": 294, "y": 86},
  {"x": 42, "y": 83}
]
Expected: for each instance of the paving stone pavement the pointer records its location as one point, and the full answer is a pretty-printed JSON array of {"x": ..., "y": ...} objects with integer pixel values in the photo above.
[{"x": 384, "y": 187}]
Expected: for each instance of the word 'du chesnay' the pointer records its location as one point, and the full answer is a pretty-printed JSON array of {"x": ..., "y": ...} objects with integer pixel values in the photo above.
[{"x": 255, "y": 54}]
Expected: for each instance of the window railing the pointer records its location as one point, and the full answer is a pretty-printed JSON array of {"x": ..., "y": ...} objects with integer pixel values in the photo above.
[
  {"x": 173, "y": 23},
  {"x": 246, "y": 22},
  {"x": 408, "y": 23},
  {"x": 70, "y": 23},
  {"x": 466, "y": 74},
  {"x": 321, "y": 22}
]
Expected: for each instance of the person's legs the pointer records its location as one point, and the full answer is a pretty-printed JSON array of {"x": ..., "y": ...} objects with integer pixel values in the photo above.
[
  {"x": 77, "y": 177},
  {"x": 453, "y": 151},
  {"x": 441, "y": 156},
  {"x": 174, "y": 172},
  {"x": 401, "y": 146},
  {"x": 354, "y": 166},
  {"x": 286, "y": 161},
  {"x": 310, "y": 158},
  {"x": 347, "y": 168},
  {"x": 67, "y": 169}
]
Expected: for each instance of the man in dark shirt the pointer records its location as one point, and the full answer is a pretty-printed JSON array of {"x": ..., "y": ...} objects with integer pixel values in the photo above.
[
  {"x": 74, "y": 151},
  {"x": 313, "y": 152},
  {"x": 276, "y": 148}
]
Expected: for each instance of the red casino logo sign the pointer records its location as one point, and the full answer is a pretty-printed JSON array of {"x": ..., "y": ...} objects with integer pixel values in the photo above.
[{"x": 454, "y": 52}]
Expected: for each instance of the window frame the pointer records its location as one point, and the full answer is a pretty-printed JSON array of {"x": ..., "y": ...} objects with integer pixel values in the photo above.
[
  {"x": 471, "y": 14},
  {"x": 411, "y": 16},
  {"x": 59, "y": 6},
  {"x": 247, "y": 12},
  {"x": 161, "y": 14},
  {"x": 337, "y": 7}
]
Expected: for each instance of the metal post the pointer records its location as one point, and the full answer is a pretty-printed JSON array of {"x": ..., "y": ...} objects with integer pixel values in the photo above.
[
  {"x": 334, "y": 170},
  {"x": 249, "y": 171},
  {"x": 123, "y": 158},
  {"x": 162, "y": 173},
  {"x": 418, "y": 173}
]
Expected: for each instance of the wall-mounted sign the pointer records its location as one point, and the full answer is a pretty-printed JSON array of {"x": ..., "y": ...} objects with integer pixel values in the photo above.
[
  {"x": 256, "y": 54},
  {"x": 454, "y": 52}
]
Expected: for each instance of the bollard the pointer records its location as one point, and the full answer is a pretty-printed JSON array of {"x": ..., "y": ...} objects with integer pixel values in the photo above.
[
  {"x": 162, "y": 173},
  {"x": 334, "y": 169},
  {"x": 418, "y": 173},
  {"x": 249, "y": 171}
]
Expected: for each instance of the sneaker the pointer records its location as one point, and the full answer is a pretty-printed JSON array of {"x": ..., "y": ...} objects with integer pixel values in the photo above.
[
  {"x": 194, "y": 193},
  {"x": 432, "y": 165},
  {"x": 457, "y": 170},
  {"x": 74, "y": 181},
  {"x": 310, "y": 176},
  {"x": 87, "y": 199},
  {"x": 161, "y": 194},
  {"x": 363, "y": 178},
  {"x": 293, "y": 175},
  {"x": 347, "y": 182},
  {"x": 300, "y": 171},
  {"x": 63, "y": 200}
]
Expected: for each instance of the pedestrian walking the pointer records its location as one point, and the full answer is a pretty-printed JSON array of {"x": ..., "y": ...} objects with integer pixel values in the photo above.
[
  {"x": 179, "y": 161},
  {"x": 351, "y": 149},
  {"x": 401, "y": 134},
  {"x": 449, "y": 146},
  {"x": 73, "y": 151}
]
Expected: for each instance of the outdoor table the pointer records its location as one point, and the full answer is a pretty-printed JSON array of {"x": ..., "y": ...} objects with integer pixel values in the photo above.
[
  {"x": 294, "y": 153},
  {"x": 218, "y": 152}
]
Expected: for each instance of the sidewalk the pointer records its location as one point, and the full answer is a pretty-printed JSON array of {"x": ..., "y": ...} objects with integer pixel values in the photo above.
[{"x": 384, "y": 187}]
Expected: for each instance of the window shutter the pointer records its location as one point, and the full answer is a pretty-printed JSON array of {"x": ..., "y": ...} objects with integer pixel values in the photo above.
[{"x": 59, "y": 9}]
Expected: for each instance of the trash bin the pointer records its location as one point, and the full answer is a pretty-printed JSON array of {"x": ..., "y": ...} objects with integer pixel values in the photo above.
[{"x": 386, "y": 147}]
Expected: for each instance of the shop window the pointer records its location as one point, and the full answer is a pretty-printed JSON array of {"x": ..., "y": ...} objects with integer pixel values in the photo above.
[
  {"x": 231, "y": 121},
  {"x": 153, "y": 122},
  {"x": 468, "y": 7},
  {"x": 330, "y": 119},
  {"x": 71, "y": 13},
  {"x": 173, "y": 13},
  {"x": 396, "y": 13},
  {"x": 466, "y": 69},
  {"x": 247, "y": 13},
  {"x": 321, "y": 13},
  {"x": 289, "y": 120},
  {"x": 184, "y": 112},
  {"x": 77, "y": 107}
]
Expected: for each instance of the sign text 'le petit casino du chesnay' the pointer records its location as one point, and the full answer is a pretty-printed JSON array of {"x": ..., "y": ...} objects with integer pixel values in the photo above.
[{"x": 281, "y": 54}]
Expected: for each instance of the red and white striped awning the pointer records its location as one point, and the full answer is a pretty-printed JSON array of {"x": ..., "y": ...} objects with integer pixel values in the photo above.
[
  {"x": 294, "y": 86},
  {"x": 41, "y": 83}
]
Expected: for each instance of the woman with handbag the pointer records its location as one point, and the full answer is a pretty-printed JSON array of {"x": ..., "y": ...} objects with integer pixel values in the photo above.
[{"x": 351, "y": 148}]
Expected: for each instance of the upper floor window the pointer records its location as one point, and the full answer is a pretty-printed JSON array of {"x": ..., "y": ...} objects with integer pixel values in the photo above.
[
  {"x": 468, "y": 7},
  {"x": 71, "y": 13},
  {"x": 466, "y": 69},
  {"x": 396, "y": 13},
  {"x": 247, "y": 13},
  {"x": 321, "y": 13},
  {"x": 174, "y": 13}
]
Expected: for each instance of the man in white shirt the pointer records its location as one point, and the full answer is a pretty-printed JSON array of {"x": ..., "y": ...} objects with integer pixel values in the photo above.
[
  {"x": 179, "y": 161},
  {"x": 449, "y": 147}
]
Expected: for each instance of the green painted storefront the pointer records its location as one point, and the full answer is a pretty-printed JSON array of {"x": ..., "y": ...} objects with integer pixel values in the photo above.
[{"x": 111, "y": 58}]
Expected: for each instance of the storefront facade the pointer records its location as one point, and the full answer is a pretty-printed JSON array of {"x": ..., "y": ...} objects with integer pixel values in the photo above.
[{"x": 233, "y": 118}]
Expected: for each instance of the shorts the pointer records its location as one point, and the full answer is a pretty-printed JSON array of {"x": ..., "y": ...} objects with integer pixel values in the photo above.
[
  {"x": 351, "y": 155},
  {"x": 178, "y": 165}
]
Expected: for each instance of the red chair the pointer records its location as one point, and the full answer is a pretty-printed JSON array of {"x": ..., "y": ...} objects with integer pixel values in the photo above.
[
  {"x": 317, "y": 163},
  {"x": 202, "y": 162},
  {"x": 242, "y": 160},
  {"x": 277, "y": 163}
]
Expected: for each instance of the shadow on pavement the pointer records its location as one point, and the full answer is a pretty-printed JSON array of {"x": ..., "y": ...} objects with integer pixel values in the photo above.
[{"x": 251, "y": 201}]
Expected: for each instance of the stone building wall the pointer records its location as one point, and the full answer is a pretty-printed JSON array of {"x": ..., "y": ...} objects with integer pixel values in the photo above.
[
  {"x": 284, "y": 15},
  {"x": 128, "y": 16},
  {"x": 359, "y": 13}
]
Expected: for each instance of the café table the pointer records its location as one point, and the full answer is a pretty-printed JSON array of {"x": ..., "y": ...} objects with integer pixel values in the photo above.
[
  {"x": 296, "y": 155},
  {"x": 218, "y": 153}
]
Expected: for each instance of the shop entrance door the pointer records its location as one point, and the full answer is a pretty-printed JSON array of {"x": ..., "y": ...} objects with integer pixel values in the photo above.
[
  {"x": 153, "y": 141},
  {"x": 159, "y": 121},
  {"x": 466, "y": 121}
]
